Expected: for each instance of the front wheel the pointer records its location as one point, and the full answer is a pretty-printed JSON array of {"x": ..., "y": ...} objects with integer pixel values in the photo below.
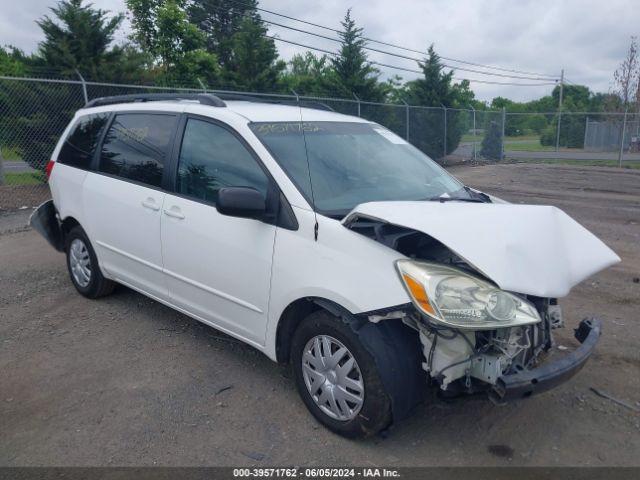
[{"x": 337, "y": 377}]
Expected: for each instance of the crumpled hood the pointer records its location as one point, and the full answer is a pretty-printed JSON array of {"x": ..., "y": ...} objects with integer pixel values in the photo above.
[{"x": 530, "y": 249}]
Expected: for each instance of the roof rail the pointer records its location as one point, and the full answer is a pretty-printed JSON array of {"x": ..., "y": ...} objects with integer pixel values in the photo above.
[
  {"x": 274, "y": 100},
  {"x": 203, "y": 98}
]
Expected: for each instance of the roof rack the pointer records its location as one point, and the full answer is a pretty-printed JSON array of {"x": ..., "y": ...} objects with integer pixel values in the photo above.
[
  {"x": 280, "y": 100},
  {"x": 203, "y": 98}
]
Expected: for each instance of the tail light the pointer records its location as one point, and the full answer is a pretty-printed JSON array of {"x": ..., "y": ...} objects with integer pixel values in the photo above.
[{"x": 49, "y": 168}]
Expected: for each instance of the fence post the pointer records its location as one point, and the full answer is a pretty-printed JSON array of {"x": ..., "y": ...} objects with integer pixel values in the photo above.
[
  {"x": 202, "y": 85},
  {"x": 586, "y": 132},
  {"x": 357, "y": 100},
  {"x": 444, "y": 144},
  {"x": 624, "y": 128},
  {"x": 1, "y": 167},
  {"x": 560, "y": 110},
  {"x": 84, "y": 87},
  {"x": 406, "y": 120},
  {"x": 504, "y": 121},
  {"x": 474, "y": 134}
]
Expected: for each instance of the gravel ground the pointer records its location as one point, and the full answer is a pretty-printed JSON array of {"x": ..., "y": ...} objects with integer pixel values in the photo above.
[
  {"x": 15, "y": 197},
  {"x": 127, "y": 381}
]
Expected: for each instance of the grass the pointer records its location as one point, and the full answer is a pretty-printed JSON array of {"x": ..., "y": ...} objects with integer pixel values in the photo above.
[
  {"x": 581, "y": 163},
  {"x": 526, "y": 146},
  {"x": 24, "y": 178},
  {"x": 10, "y": 153},
  {"x": 523, "y": 138},
  {"x": 468, "y": 138},
  {"x": 522, "y": 143}
]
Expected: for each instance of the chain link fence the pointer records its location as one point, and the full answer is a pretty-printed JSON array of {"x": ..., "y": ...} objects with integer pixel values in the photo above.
[
  {"x": 35, "y": 111},
  {"x": 585, "y": 138}
]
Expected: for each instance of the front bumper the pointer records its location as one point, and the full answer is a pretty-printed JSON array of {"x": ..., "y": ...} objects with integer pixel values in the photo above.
[{"x": 528, "y": 382}]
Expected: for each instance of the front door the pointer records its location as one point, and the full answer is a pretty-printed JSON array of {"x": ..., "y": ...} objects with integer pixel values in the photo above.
[{"x": 217, "y": 267}]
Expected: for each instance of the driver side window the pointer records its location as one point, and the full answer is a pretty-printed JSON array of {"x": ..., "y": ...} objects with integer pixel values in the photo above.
[{"x": 211, "y": 157}]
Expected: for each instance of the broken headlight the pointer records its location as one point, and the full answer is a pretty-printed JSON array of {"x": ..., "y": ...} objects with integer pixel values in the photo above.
[{"x": 457, "y": 299}]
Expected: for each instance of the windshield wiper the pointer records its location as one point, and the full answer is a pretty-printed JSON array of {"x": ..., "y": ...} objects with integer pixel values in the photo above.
[
  {"x": 455, "y": 199},
  {"x": 474, "y": 197}
]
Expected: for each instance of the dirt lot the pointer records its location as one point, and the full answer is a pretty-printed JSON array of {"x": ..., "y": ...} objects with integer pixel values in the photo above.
[{"x": 127, "y": 381}]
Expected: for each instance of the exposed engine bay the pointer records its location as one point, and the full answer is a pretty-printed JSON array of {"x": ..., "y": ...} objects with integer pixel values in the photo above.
[
  {"x": 464, "y": 361},
  {"x": 467, "y": 361}
]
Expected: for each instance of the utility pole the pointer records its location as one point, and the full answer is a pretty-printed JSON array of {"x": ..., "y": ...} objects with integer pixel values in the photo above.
[{"x": 560, "y": 110}]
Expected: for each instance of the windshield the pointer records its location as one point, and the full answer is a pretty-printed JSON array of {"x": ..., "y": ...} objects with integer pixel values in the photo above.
[{"x": 351, "y": 163}]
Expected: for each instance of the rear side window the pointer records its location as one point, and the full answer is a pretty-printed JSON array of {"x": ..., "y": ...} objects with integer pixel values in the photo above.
[
  {"x": 212, "y": 157},
  {"x": 80, "y": 146},
  {"x": 136, "y": 146}
]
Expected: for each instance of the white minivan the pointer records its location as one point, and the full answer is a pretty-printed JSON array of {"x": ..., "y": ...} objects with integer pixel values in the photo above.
[{"x": 326, "y": 242}]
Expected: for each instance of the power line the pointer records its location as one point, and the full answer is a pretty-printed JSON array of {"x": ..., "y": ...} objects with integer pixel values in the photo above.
[
  {"x": 405, "y": 56},
  {"x": 372, "y": 40},
  {"x": 333, "y": 54}
]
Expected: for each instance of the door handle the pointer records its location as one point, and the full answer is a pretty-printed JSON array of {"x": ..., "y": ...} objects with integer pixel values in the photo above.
[
  {"x": 151, "y": 204},
  {"x": 174, "y": 212}
]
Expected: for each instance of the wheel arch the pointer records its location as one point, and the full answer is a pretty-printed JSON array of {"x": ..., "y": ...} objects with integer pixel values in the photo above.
[
  {"x": 68, "y": 223},
  {"x": 394, "y": 346},
  {"x": 293, "y": 314}
]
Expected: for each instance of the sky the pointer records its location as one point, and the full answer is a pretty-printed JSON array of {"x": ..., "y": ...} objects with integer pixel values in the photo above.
[{"x": 586, "y": 38}]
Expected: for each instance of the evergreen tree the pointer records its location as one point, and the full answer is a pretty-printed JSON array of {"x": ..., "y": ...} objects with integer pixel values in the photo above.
[
  {"x": 436, "y": 89},
  {"x": 80, "y": 37},
  {"x": 219, "y": 20},
  {"x": 254, "y": 64},
  {"x": 353, "y": 73}
]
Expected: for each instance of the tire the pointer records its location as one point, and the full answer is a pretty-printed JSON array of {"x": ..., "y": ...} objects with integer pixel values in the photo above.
[
  {"x": 373, "y": 414},
  {"x": 83, "y": 267}
]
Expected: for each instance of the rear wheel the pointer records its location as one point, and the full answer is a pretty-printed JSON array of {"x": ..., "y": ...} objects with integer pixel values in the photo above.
[
  {"x": 83, "y": 267},
  {"x": 337, "y": 377}
]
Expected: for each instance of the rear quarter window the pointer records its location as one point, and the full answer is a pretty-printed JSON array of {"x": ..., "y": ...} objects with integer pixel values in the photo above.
[{"x": 80, "y": 145}]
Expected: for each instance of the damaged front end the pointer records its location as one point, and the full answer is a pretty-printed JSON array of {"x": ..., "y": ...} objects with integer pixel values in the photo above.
[
  {"x": 476, "y": 336},
  {"x": 508, "y": 363}
]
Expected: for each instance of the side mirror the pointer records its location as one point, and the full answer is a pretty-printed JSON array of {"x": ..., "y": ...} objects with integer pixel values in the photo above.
[{"x": 244, "y": 202}]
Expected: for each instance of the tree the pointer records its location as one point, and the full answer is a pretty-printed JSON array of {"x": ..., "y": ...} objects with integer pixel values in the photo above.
[
  {"x": 353, "y": 73},
  {"x": 176, "y": 46},
  {"x": 80, "y": 37},
  {"x": 436, "y": 89},
  {"x": 576, "y": 98},
  {"x": 308, "y": 74},
  {"x": 254, "y": 63},
  {"x": 626, "y": 77},
  {"x": 12, "y": 62},
  {"x": 219, "y": 21}
]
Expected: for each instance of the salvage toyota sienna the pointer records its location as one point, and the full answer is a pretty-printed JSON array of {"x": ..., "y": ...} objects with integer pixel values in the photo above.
[{"x": 326, "y": 242}]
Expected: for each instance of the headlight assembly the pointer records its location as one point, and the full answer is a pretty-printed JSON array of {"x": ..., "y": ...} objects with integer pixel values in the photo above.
[{"x": 455, "y": 298}]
